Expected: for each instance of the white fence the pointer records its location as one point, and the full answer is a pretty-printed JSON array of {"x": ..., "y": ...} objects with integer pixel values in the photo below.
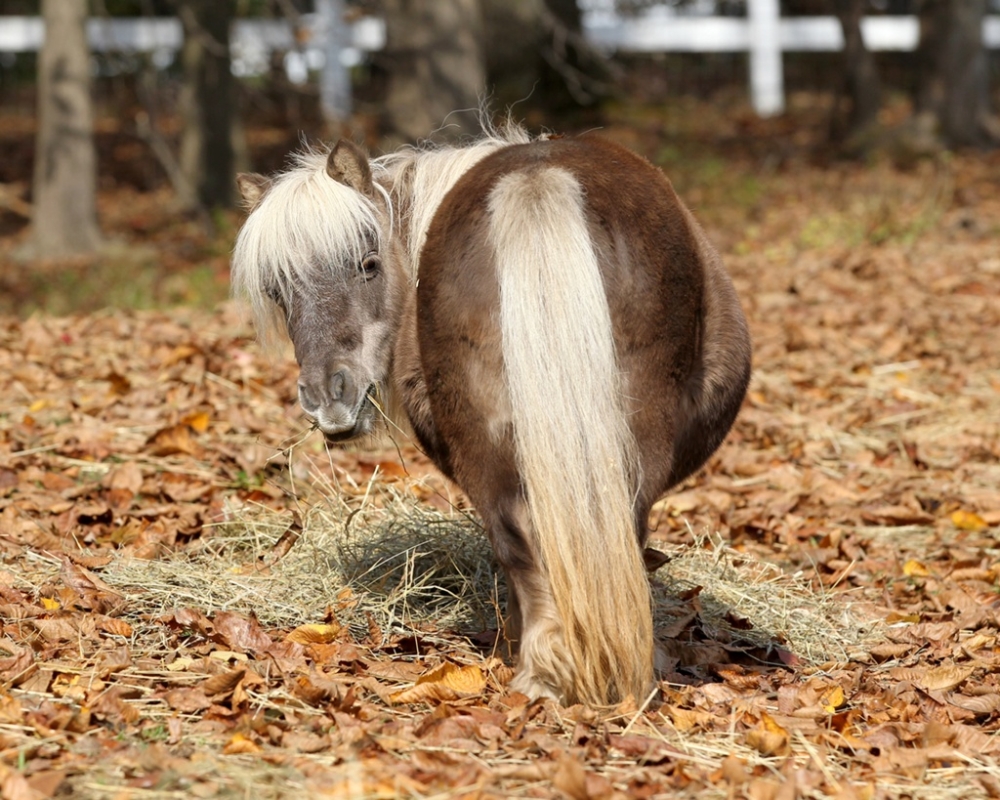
[{"x": 763, "y": 34}]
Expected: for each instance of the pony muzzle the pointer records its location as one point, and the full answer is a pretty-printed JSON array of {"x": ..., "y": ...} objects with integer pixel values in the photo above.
[
  {"x": 364, "y": 421},
  {"x": 339, "y": 410},
  {"x": 331, "y": 398}
]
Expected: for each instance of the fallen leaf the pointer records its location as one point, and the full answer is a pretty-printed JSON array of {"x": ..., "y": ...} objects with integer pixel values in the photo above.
[
  {"x": 180, "y": 353},
  {"x": 894, "y": 617},
  {"x": 688, "y": 719},
  {"x": 127, "y": 477},
  {"x": 974, "y": 742},
  {"x": 172, "y": 441},
  {"x": 896, "y": 515},
  {"x": 642, "y": 749},
  {"x": 183, "y": 489},
  {"x": 980, "y": 705},
  {"x": 47, "y": 783},
  {"x": 968, "y": 521},
  {"x": 734, "y": 770},
  {"x": 770, "y": 739},
  {"x": 314, "y": 634},
  {"x": 198, "y": 421},
  {"x": 14, "y": 786},
  {"x": 18, "y": 666},
  {"x": 305, "y": 742},
  {"x": 447, "y": 682},
  {"x": 59, "y": 629},
  {"x": 570, "y": 778},
  {"x": 241, "y": 633},
  {"x": 240, "y": 745},
  {"x": 914, "y": 568},
  {"x": 186, "y": 700},
  {"x": 222, "y": 684},
  {"x": 833, "y": 699},
  {"x": 113, "y": 625},
  {"x": 119, "y": 385},
  {"x": 227, "y": 655},
  {"x": 944, "y": 678}
]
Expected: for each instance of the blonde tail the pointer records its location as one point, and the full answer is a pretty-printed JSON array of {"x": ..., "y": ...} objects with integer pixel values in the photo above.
[{"x": 575, "y": 451}]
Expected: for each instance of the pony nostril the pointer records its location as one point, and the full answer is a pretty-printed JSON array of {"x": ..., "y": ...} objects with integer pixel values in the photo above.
[
  {"x": 337, "y": 385},
  {"x": 326, "y": 391},
  {"x": 306, "y": 400}
]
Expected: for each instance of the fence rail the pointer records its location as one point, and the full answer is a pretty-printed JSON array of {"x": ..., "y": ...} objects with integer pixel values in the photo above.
[{"x": 763, "y": 34}]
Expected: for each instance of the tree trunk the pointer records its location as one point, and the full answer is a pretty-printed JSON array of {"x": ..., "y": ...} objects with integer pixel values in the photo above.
[
  {"x": 207, "y": 103},
  {"x": 65, "y": 180},
  {"x": 433, "y": 59},
  {"x": 954, "y": 86},
  {"x": 513, "y": 52},
  {"x": 573, "y": 74},
  {"x": 862, "y": 87},
  {"x": 537, "y": 56}
]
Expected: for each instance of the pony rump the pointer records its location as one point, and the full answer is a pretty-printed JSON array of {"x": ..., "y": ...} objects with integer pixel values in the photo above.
[
  {"x": 575, "y": 451},
  {"x": 305, "y": 222}
]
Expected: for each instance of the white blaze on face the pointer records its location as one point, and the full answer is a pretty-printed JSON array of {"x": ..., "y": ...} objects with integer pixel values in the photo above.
[
  {"x": 376, "y": 346},
  {"x": 367, "y": 365}
]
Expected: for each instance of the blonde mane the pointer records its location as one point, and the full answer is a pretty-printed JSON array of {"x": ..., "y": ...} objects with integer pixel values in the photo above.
[
  {"x": 304, "y": 222},
  {"x": 418, "y": 178}
]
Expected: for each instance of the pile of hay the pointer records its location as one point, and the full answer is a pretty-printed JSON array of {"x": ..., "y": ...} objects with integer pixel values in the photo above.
[
  {"x": 410, "y": 566},
  {"x": 406, "y": 564},
  {"x": 743, "y": 598}
]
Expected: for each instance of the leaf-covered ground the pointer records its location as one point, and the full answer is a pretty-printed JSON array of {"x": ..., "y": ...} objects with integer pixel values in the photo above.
[{"x": 197, "y": 599}]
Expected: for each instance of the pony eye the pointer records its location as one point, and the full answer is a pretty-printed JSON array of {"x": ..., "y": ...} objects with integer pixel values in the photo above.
[
  {"x": 275, "y": 295},
  {"x": 272, "y": 293},
  {"x": 371, "y": 265}
]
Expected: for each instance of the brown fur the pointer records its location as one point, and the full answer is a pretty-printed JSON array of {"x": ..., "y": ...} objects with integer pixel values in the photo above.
[
  {"x": 672, "y": 307},
  {"x": 348, "y": 164},
  {"x": 252, "y": 188},
  {"x": 671, "y": 302}
]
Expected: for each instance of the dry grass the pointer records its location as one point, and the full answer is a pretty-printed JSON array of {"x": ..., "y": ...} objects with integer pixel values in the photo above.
[
  {"x": 409, "y": 566},
  {"x": 768, "y": 605},
  {"x": 404, "y": 563},
  {"x": 412, "y": 568}
]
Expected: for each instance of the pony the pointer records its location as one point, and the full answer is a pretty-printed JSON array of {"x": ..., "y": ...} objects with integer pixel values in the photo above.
[{"x": 554, "y": 327}]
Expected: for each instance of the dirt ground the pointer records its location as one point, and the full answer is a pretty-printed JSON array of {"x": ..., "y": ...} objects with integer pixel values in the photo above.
[{"x": 198, "y": 599}]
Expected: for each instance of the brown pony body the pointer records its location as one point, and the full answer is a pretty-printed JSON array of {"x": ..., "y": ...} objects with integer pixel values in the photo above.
[{"x": 566, "y": 346}]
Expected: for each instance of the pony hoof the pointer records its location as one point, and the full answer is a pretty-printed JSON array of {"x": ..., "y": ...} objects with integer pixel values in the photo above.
[{"x": 534, "y": 688}]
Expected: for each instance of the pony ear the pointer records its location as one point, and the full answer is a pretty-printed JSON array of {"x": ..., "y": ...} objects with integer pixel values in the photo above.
[
  {"x": 252, "y": 187},
  {"x": 348, "y": 164}
]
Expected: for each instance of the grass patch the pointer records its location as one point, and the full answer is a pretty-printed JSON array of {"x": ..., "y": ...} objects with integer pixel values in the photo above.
[{"x": 409, "y": 566}]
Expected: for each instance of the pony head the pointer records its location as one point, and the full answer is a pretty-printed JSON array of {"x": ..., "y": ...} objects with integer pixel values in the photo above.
[{"x": 309, "y": 263}]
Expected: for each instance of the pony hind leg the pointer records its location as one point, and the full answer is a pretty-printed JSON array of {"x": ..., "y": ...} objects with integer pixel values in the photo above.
[
  {"x": 532, "y": 627},
  {"x": 543, "y": 661}
]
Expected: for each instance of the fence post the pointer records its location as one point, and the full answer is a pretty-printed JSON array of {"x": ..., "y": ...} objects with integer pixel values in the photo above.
[
  {"x": 335, "y": 80},
  {"x": 767, "y": 82}
]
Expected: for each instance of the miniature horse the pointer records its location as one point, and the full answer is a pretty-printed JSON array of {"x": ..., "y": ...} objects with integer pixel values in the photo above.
[{"x": 557, "y": 330}]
